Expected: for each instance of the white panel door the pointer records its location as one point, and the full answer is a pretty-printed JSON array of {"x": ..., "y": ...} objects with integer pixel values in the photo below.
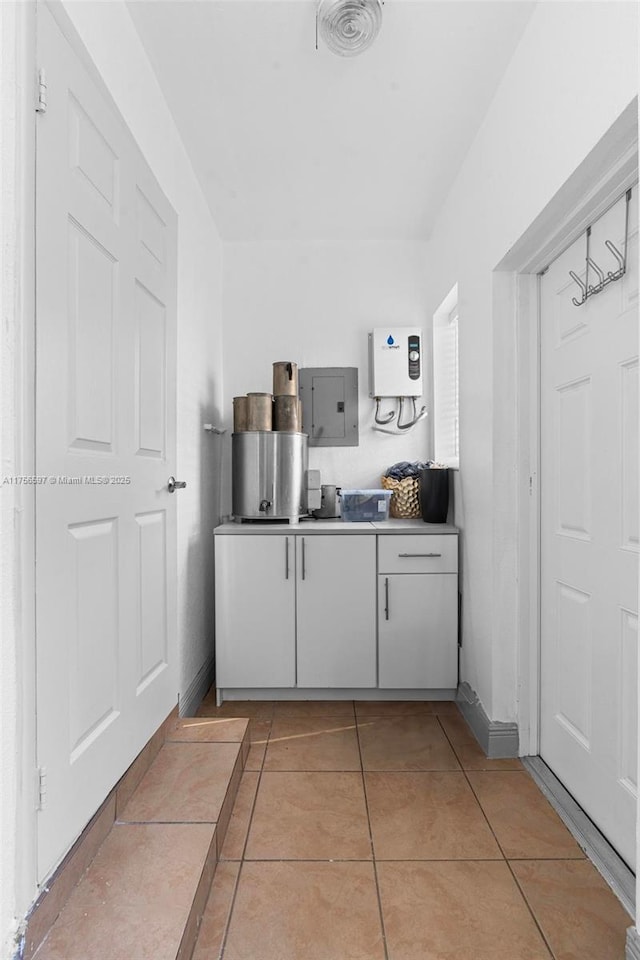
[
  {"x": 590, "y": 531},
  {"x": 336, "y": 644},
  {"x": 418, "y": 631},
  {"x": 105, "y": 442},
  {"x": 255, "y": 611}
]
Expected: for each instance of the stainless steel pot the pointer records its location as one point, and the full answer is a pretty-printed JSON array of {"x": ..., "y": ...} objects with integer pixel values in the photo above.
[{"x": 268, "y": 475}]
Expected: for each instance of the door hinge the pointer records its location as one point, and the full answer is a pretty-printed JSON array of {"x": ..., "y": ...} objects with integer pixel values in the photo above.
[
  {"x": 41, "y": 103},
  {"x": 41, "y": 788}
]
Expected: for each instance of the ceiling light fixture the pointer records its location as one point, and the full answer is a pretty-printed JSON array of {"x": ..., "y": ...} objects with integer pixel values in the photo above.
[{"x": 348, "y": 27}]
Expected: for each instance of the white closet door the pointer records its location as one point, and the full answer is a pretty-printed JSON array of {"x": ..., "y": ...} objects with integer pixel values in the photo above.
[
  {"x": 105, "y": 408},
  {"x": 590, "y": 531}
]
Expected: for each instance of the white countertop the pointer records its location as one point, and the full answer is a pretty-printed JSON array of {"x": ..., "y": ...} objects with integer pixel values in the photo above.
[
  {"x": 411, "y": 526},
  {"x": 313, "y": 527}
]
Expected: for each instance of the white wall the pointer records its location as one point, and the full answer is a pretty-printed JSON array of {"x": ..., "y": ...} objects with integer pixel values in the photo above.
[
  {"x": 573, "y": 73},
  {"x": 314, "y": 304},
  {"x": 110, "y": 37}
]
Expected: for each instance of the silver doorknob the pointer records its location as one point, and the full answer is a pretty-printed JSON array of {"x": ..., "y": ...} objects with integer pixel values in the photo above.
[{"x": 174, "y": 484}]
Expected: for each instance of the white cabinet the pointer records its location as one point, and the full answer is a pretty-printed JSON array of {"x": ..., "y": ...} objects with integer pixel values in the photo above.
[
  {"x": 295, "y": 611},
  {"x": 418, "y": 612},
  {"x": 298, "y": 609},
  {"x": 336, "y": 608},
  {"x": 255, "y": 611}
]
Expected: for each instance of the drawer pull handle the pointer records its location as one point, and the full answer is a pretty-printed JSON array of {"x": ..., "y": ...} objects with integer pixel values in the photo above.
[
  {"x": 419, "y": 554},
  {"x": 386, "y": 598},
  {"x": 304, "y": 561},
  {"x": 286, "y": 558}
]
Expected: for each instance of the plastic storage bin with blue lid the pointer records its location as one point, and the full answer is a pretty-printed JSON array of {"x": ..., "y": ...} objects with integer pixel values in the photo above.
[{"x": 365, "y": 504}]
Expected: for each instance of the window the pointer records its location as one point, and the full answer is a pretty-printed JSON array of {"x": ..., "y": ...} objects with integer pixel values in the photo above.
[{"x": 446, "y": 418}]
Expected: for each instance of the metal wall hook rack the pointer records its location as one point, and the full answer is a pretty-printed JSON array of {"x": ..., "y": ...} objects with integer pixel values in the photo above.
[
  {"x": 619, "y": 257},
  {"x": 589, "y": 290},
  {"x": 583, "y": 288},
  {"x": 209, "y": 427}
]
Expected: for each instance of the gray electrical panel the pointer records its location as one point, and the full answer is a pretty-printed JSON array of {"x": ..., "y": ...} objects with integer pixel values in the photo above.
[{"x": 330, "y": 405}]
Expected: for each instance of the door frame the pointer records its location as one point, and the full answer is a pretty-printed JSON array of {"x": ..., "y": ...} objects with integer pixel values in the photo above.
[
  {"x": 601, "y": 179},
  {"x": 18, "y": 68}
]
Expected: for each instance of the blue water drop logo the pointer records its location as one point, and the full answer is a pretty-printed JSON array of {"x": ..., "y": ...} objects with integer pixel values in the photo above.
[{"x": 390, "y": 340}]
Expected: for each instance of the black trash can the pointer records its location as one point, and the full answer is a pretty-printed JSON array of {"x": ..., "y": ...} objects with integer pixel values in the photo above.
[{"x": 434, "y": 495}]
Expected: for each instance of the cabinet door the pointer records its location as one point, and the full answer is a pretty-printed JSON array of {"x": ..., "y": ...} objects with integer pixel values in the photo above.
[
  {"x": 336, "y": 611},
  {"x": 255, "y": 611},
  {"x": 418, "y": 631}
]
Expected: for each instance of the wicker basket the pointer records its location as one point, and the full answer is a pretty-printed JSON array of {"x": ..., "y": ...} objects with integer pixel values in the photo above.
[{"x": 405, "y": 502}]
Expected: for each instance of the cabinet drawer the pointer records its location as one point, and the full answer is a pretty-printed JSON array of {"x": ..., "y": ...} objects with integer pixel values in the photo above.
[{"x": 417, "y": 553}]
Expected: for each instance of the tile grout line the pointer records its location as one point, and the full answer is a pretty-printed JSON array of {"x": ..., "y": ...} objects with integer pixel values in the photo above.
[
  {"x": 382, "y": 860},
  {"x": 531, "y": 911},
  {"x": 500, "y": 848},
  {"x": 373, "y": 852},
  {"x": 223, "y": 944},
  {"x": 475, "y": 796},
  {"x": 379, "y": 770}
]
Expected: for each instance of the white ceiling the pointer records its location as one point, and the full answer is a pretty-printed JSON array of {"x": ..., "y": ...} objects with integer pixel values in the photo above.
[{"x": 290, "y": 142}]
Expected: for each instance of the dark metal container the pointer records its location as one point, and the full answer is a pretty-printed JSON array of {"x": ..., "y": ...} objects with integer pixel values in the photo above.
[{"x": 434, "y": 495}]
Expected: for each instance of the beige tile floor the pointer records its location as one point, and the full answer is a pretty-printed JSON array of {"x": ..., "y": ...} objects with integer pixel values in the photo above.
[
  {"x": 379, "y": 831},
  {"x": 155, "y": 866}
]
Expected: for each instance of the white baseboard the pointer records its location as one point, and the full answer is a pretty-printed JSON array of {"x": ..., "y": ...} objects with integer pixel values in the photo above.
[
  {"x": 497, "y": 739},
  {"x": 605, "y": 859},
  {"x": 331, "y": 693},
  {"x": 196, "y": 690},
  {"x": 633, "y": 944}
]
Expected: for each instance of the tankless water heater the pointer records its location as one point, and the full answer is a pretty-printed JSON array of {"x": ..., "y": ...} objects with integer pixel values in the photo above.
[{"x": 395, "y": 362}]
